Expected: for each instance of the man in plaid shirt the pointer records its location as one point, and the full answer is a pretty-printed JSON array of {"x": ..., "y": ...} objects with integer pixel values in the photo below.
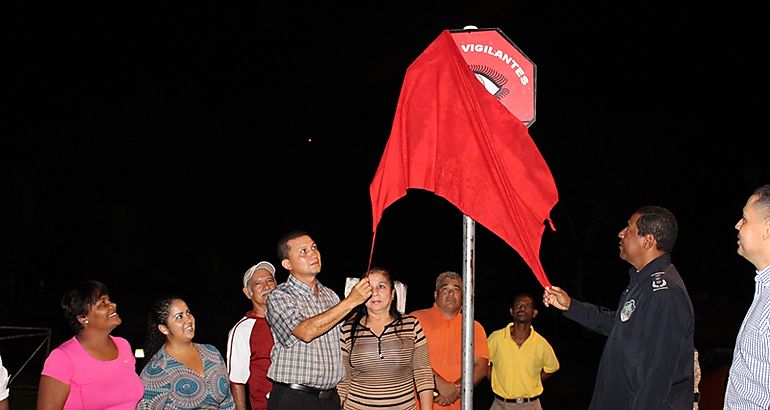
[{"x": 305, "y": 318}]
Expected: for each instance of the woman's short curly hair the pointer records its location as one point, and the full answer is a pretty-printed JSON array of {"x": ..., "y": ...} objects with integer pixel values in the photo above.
[{"x": 77, "y": 301}]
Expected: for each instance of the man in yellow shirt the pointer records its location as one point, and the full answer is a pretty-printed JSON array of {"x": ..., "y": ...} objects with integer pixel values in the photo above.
[{"x": 519, "y": 359}]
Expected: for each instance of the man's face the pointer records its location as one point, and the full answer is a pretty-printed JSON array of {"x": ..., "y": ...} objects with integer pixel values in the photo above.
[
  {"x": 260, "y": 285},
  {"x": 304, "y": 256},
  {"x": 632, "y": 244},
  {"x": 523, "y": 309},
  {"x": 752, "y": 230},
  {"x": 449, "y": 296}
]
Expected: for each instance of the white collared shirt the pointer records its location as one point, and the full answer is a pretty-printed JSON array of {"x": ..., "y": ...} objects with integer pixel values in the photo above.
[{"x": 748, "y": 386}]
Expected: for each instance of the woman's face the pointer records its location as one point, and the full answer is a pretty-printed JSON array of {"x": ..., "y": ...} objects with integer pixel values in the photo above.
[
  {"x": 103, "y": 314},
  {"x": 382, "y": 293},
  {"x": 180, "y": 325}
]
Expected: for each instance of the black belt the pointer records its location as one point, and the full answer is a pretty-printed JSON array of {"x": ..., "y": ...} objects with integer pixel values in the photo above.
[
  {"x": 321, "y": 394},
  {"x": 516, "y": 400}
]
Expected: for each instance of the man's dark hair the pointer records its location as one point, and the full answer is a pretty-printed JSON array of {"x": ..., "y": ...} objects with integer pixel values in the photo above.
[
  {"x": 762, "y": 203},
  {"x": 283, "y": 243},
  {"x": 524, "y": 295},
  {"x": 447, "y": 275},
  {"x": 659, "y": 222}
]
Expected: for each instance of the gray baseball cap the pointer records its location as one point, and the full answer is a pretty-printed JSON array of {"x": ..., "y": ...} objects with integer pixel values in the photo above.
[{"x": 262, "y": 265}]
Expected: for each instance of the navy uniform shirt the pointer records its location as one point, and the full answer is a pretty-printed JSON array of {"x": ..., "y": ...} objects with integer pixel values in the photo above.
[{"x": 647, "y": 362}]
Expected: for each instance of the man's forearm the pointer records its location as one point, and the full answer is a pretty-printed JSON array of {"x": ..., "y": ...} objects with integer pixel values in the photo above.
[
  {"x": 480, "y": 367},
  {"x": 317, "y": 325},
  {"x": 239, "y": 395}
]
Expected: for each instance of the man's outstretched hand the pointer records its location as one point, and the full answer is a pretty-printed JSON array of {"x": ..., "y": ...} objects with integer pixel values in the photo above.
[{"x": 556, "y": 297}]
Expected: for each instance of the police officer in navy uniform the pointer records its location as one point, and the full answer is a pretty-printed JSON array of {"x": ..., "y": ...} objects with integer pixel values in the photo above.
[{"x": 647, "y": 362}]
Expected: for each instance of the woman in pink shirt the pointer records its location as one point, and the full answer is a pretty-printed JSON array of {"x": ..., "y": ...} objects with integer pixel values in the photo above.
[{"x": 92, "y": 370}]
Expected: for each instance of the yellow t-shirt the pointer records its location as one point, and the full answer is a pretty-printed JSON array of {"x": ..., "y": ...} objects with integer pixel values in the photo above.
[{"x": 516, "y": 370}]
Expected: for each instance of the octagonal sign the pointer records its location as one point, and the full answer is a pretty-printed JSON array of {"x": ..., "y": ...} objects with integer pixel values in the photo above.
[{"x": 506, "y": 72}]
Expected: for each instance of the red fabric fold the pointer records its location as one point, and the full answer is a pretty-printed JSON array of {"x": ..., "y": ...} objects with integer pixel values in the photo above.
[{"x": 452, "y": 137}]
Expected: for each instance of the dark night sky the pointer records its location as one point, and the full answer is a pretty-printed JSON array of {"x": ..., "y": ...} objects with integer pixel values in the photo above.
[{"x": 165, "y": 148}]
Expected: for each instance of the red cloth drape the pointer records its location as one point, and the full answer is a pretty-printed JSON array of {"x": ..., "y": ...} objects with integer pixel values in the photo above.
[{"x": 452, "y": 137}]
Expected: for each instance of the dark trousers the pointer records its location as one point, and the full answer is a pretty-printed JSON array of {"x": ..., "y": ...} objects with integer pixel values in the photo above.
[{"x": 285, "y": 398}]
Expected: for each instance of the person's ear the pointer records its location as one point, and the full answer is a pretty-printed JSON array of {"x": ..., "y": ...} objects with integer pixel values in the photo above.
[
  {"x": 512, "y": 312},
  {"x": 163, "y": 329},
  {"x": 247, "y": 292},
  {"x": 766, "y": 233},
  {"x": 534, "y": 313},
  {"x": 286, "y": 264},
  {"x": 649, "y": 241},
  {"x": 83, "y": 320}
]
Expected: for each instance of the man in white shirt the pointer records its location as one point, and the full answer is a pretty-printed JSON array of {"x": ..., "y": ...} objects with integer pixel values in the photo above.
[
  {"x": 250, "y": 341},
  {"x": 748, "y": 386}
]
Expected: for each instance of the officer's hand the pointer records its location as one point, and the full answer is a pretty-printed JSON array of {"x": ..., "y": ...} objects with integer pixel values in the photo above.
[{"x": 556, "y": 297}]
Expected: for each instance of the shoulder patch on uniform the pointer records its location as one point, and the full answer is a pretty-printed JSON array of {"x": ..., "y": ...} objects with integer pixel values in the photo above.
[{"x": 658, "y": 281}]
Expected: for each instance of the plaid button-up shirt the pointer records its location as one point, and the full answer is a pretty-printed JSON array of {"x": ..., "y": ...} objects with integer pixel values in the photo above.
[{"x": 316, "y": 364}]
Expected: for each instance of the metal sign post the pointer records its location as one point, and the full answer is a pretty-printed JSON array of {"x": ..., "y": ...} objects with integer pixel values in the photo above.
[{"x": 508, "y": 74}]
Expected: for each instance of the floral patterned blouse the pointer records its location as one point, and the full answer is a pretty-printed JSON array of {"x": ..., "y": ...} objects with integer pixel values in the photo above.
[{"x": 169, "y": 384}]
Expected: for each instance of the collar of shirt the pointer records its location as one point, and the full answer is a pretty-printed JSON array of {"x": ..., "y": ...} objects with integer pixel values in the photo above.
[
  {"x": 762, "y": 279},
  {"x": 441, "y": 318},
  {"x": 302, "y": 286},
  {"x": 656, "y": 265}
]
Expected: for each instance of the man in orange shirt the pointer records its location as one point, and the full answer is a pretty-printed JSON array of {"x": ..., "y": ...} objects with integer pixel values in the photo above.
[{"x": 443, "y": 325}]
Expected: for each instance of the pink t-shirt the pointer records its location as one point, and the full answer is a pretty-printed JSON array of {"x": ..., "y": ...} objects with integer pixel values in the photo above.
[{"x": 96, "y": 384}]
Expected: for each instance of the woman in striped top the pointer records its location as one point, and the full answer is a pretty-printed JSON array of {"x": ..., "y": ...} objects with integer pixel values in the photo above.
[{"x": 385, "y": 354}]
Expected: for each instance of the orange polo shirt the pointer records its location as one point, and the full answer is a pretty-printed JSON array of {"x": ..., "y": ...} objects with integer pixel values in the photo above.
[{"x": 445, "y": 344}]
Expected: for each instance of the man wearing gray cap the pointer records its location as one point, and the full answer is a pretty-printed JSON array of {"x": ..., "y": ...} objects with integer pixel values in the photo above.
[{"x": 250, "y": 341}]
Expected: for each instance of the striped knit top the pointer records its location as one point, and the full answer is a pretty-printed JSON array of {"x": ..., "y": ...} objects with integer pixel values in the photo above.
[{"x": 385, "y": 371}]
